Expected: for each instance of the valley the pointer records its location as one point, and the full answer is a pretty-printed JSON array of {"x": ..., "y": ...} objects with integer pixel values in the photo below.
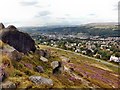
[{"x": 60, "y": 44}]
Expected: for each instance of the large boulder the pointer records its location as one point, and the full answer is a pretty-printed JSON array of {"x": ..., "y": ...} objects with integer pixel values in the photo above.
[
  {"x": 22, "y": 42},
  {"x": 55, "y": 64},
  {"x": 41, "y": 80},
  {"x": 57, "y": 67}
]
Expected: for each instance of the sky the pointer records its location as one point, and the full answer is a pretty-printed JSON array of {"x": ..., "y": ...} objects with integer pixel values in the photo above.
[{"x": 57, "y": 12}]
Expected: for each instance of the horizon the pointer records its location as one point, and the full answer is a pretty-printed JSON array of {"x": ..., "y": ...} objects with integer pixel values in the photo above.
[
  {"x": 39, "y": 13},
  {"x": 95, "y": 23}
]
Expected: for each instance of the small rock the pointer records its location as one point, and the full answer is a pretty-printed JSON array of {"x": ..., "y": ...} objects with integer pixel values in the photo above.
[
  {"x": 15, "y": 55},
  {"x": 64, "y": 59},
  {"x": 40, "y": 69},
  {"x": 41, "y": 80},
  {"x": 55, "y": 64},
  {"x": 3, "y": 74},
  {"x": 40, "y": 52},
  {"x": 43, "y": 53},
  {"x": 43, "y": 59},
  {"x": 47, "y": 53},
  {"x": 28, "y": 65},
  {"x": 8, "y": 85},
  {"x": 66, "y": 69}
]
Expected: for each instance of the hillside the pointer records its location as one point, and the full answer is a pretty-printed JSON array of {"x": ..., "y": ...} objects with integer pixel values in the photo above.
[
  {"x": 47, "y": 67},
  {"x": 78, "y": 72},
  {"x": 89, "y": 70}
]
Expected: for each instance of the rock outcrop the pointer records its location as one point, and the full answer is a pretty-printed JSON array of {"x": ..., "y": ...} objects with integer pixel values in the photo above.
[
  {"x": 2, "y": 26},
  {"x": 22, "y": 42},
  {"x": 11, "y": 27}
]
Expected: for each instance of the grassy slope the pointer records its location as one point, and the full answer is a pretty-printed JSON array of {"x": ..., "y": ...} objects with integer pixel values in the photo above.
[
  {"x": 101, "y": 74},
  {"x": 77, "y": 58},
  {"x": 81, "y": 76}
]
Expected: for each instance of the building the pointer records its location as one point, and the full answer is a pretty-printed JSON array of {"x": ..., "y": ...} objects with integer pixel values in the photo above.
[{"x": 115, "y": 59}]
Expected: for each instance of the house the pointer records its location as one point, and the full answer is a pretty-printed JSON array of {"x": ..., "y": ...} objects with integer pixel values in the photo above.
[
  {"x": 115, "y": 59},
  {"x": 77, "y": 50},
  {"x": 103, "y": 46},
  {"x": 97, "y": 56},
  {"x": 84, "y": 52}
]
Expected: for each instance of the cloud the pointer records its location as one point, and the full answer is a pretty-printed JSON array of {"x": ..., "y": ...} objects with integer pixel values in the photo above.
[
  {"x": 43, "y": 13},
  {"x": 28, "y": 3},
  {"x": 92, "y": 14},
  {"x": 116, "y": 6},
  {"x": 16, "y": 23}
]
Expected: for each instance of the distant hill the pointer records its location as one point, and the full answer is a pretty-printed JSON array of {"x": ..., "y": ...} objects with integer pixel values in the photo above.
[
  {"x": 103, "y": 25},
  {"x": 100, "y": 29}
]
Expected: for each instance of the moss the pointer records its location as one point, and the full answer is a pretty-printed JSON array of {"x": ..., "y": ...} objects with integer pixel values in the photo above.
[
  {"x": 5, "y": 59},
  {"x": 17, "y": 73},
  {"x": 27, "y": 72}
]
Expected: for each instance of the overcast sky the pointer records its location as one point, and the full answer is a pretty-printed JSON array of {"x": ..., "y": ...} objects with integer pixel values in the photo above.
[{"x": 57, "y": 12}]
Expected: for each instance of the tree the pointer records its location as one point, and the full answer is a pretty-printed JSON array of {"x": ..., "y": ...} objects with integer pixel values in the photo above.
[
  {"x": 104, "y": 55},
  {"x": 117, "y": 54}
]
